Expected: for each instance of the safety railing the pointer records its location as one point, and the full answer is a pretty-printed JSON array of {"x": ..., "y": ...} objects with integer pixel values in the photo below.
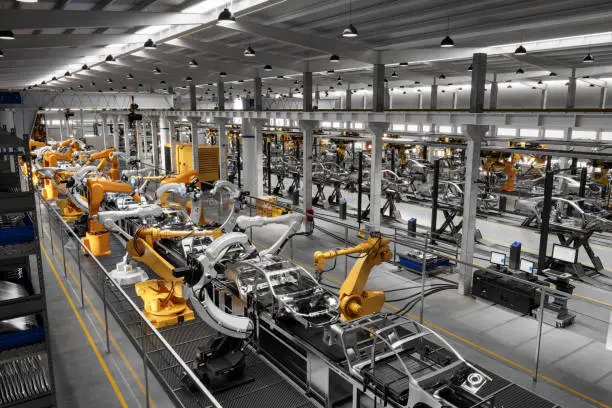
[{"x": 171, "y": 370}]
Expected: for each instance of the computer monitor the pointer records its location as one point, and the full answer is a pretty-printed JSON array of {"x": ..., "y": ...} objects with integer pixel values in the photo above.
[
  {"x": 565, "y": 253},
  {"x": 498, "y": 258},
  {"x": 526, "y": 266}
]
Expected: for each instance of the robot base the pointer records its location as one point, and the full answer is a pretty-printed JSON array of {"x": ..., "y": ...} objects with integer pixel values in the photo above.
[
  {"x": 98, "y": 243},
  {"x": 126, "y": 274}
]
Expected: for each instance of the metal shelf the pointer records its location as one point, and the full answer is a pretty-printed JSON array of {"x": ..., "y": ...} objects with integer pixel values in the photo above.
[
  {"x": 22, "y": 306},
  {"x": 16, "y": 202},
  {"x": 17, "y": 250}
]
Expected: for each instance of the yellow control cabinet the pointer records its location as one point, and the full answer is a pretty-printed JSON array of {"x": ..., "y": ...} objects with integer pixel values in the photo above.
[{"x": 208, "y": 161}]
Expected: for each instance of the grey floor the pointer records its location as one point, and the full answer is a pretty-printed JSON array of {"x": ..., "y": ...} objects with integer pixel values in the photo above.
[
  {"x": 575, "y": 365},
  {"x": 81, "y": 380}
]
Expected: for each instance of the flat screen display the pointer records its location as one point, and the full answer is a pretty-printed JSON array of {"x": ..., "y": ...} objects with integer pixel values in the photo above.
[
  {"x": 565, "y": 254},
  {"x": 498, "y": 258},
  {"x": 526, "y": 266}
]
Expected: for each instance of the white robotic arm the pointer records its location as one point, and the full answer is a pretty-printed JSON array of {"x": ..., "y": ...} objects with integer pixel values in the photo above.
[
  {"x": 108, "y": 218},
  {"x": 178, "y": 188},
  {"x": 294, "y": 221}
]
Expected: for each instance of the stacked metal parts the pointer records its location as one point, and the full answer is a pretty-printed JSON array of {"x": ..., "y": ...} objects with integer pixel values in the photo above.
[{"x": 23, "y": 378}]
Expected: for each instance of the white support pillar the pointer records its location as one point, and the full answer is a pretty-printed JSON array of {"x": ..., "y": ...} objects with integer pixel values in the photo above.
[
  {"x": 317, "y": 97},
  {"x": 544, "y": 98},
  {"x": 348, "y": 97},
  {"x": 474, "y": 137},
  {"x": 454, "y": 100},
  {"x": 378, "y": 129},
  {"x": 115, "y": 121},
  {"x": 433, "y": 98},
  {"x": 195, "y": 122},
  {"x": 172, "y": 139},
  {"x": 139, "y": 135},
  {"x": 603, "y": 94},
  {"x": 155, "y": 144},
  {"x": 104, "y": 131},
  {"x": 222, "y": 142},
  {"x": 253, "y": 156},
  {"x": 307, "y": 126},
  {"x": 82, "y": 125},
  {"x": 365, "y": 102},
  {"x": 164, "y": 138},
  {"x": 419, "y": 100},
  {"x": 494, "y": 91},
  {"x": 61, "y": 130}
]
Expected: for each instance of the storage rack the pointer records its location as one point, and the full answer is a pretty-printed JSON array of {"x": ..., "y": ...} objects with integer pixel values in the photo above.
[{"x": 26, "y": 373}]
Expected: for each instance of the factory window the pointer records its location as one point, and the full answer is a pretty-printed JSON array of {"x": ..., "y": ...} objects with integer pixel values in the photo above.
[
  {"x": 606, "y": 136},
  {"x": 445, "y": 129},
  {"x": 529, "y": 132},
  {"x": 337, "y": 125},
  {"x": 426, "y": 128},
  {"x": 326, "y": 124},
  {"x": 554, "y": 133},
  {"x": 86, "y": 135},
  {"x": 398, "y": 127},
  {"x": 506, "y": 131},
  {"x": 357, "y": 125},
  {"x": 280, "y": 122},
  {"x": 583, "y": 135},
  {"x": 237, "y": 121},
  {"x": 412, "y": 128}
]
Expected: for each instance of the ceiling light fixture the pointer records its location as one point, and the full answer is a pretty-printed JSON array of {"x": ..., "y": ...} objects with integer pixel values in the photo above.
[
  {"x": 7, "y": 35},
  {"x": 268, "y": 67},
  {"x": 54, "y": 79},
  {"x": 520, "y": 71},
  {"x": 85, "y": 67},
  {"x": 330, "y": 71},
  {"x": 394, "y": 75},
  {"x": 226, "y": 17},
  {"x": 442, "y": 76},
  {"x": 140, "y": 85},
  {"x": 109, "y": 80},
  {"x": 588, "y": 59},
  {"x": 1, "y": 54},
  {"x": 447, "y": 42},
  {"x": 403, "y": 64},
  {"x": 93, "y": 83},
  {"x": 124, "y": 87},
  {"x": 350, "y": 31},
  {"x": 222, "y": 74},
  {"x": 129, "y": 76},
  {"x": 162, "y": 82},
  {"x": 156, "y": 71},
  {"x": 249, "y": 52},
  {"x": 150, "y": 45},
  {"x": 81, "y": 86},
  {"x": 334, "y": 58},
  {"x": 189, "y": 79},
  {"x": 520, "y": 50},
  {"x": 110, "y": 59},
  {"x": 28, "y": 1},
  {"x": 470, "y": 68},
  {"x": 552, "y": 74},
  {"x": 67, "y": 74}
]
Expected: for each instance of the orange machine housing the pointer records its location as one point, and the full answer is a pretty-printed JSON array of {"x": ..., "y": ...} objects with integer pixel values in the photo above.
[{"x": 208, "y": 161}]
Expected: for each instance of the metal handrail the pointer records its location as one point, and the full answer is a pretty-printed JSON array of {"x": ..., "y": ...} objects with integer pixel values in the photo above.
[{"x": 152, "y": 328}]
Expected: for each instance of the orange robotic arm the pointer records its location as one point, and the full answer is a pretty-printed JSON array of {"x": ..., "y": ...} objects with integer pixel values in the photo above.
[
  {"x": 354, "y": 300},
  {"x": 187, "y": 177}
]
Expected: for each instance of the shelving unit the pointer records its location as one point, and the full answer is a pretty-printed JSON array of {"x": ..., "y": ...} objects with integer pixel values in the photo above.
[{"x": 26, "y": 378}]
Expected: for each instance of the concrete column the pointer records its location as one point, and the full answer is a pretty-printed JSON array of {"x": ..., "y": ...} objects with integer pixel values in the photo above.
[
  {"x": 454, "y": 101},
  {"x": 61, "y": 130},
  {"x": 164, "y": 138},
  {"x": 317, "y": 98},
  {"x": 140, "y": 135},
  {"x": 155, "y": 144},
  {"x": 122, "y": 120},
  {"x": 365, "y": 102},
  {"x": 390, "y": 98},
  {"x": 571, "y": 91},
  {"x": 222, "y": 142},
  {"x": 82, "y": 123},
  {"x": 307, "y": 126},
  {"x": 220, "y": 95},
  {"x": 493, "y": 96},
  {"x": 479, "y": 77},
  {"x": 193, "y": 101},
  {"x": 387, "y": 97},
  {"x": 474, "y": 137},
  {"x": 307, "y": 98},
  {"x": 253, "y": 156},
  {"x": 105, "y": 131},
  {"x": 378, "y": 129},
  {"x": 115, "y": 121},
  {"x": 544, "y": 98},
  {"x": 172, "y": 137},
  {"x": 419, "y": 100},
  {"x": 433, "y": 99},
  {"x": 257, "y": 93},
  {"x": 195, "y": 143},
  {"x": 603, "y": 94},
  {"x": 349, "y": 102},
  {"x": 378, "y": 88},
  {"x": 564, "y": 161}
]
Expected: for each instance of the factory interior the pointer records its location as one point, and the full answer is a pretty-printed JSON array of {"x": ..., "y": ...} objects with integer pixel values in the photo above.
[{"x": 305, "y": 204}]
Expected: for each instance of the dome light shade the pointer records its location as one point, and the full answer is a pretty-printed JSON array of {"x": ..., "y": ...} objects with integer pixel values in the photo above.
[
  {"x": 140, "y": 85},
  {"x": 268, "y": 67},
  {"x": 350, "y": 32},
  {"x": 394, "y": 75},
  {"x": 85, "y": 67},
  {"x": 470, "y": 68},
  {"x": 520, "y": 71},
  {"x": 334, "y": 58},
  {"x": 552, "y": 74},
  {"x": 447, "y": 42},
  {"x": 222, "y": 74},
  {"x": 249, "y": 52},
  {"x": 150, "y": 45},
  {"x": 7, "y": 35},
  {"x": 520, "y": 50},
  {"x": 130, "y": 76},
  {"x": 588, "y": 59},
  {"x": 109, "y": 58},
  {"x": 193, "y": 63},
  {"x": 189, "y": 79},
  {"x": 156, "y": 71},
  {"x": 109, "y": 80},
  {"x": 162, "y": 82},
  {"x": 226, "y": 17},
  {"x": 403, "y": 64},
  {"x": 80, "y": 86},
  {"x": 67, "y": 74},
  {"x": 442, "y": 76}
]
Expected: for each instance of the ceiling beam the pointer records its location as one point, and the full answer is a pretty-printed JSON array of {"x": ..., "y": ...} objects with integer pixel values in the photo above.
[
  {"x": 41, "y": 19},
  {"x": 72, "y": 40}
]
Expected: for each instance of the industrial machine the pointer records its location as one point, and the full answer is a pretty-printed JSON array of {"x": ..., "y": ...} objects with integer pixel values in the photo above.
[{"x": 354, "y": 300}]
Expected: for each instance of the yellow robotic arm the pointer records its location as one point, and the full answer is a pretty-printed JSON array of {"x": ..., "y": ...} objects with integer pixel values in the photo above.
[
  {"x": 354, "y": 300},
  {"x": 97, "y": 238}
]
